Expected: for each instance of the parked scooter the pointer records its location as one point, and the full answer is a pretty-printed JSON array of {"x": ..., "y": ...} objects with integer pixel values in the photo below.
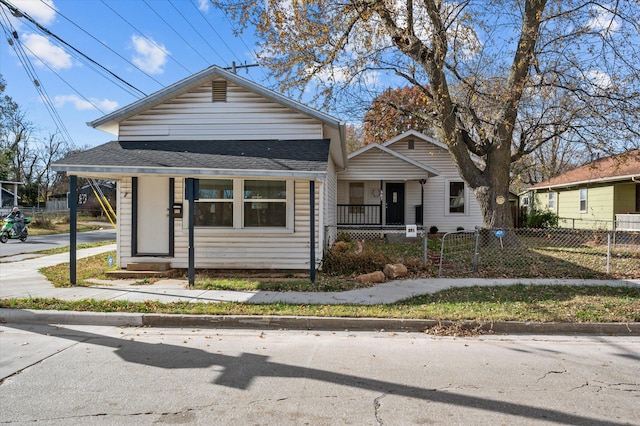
[{"x": 8, "y": 232}]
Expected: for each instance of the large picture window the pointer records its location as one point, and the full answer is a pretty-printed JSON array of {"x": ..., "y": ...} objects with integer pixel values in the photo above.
[
  {"x": 456, "y": 197},
  {"x": 215, "y": 206}
]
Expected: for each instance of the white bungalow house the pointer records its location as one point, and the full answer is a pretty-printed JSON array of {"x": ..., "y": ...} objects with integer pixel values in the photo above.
[
  {"x": 410, "y": 179},
  {"x": 216, "y": 171}
]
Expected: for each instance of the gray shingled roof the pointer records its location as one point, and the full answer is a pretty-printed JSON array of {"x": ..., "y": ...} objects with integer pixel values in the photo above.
[{"x": 309, "y": 155}]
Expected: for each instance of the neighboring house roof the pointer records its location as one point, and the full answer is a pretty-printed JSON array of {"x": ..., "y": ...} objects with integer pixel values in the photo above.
[
  {"x": 396, "y": 154},
  {"x": 109, "y": 122},
  {"x": 620, "y": 167},
  {"x": 417, "y": 135},
  {"x": 300, "y": 158}
]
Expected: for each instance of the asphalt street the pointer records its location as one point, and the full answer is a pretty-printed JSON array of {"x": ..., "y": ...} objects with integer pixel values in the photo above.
[
  {"x": 46, "y": 242},
  {"x": 96, "y": 375}
]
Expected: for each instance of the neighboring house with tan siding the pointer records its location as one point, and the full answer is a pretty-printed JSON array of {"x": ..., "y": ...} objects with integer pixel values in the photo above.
[
  {"x": 410, "y": 179},
  {"x": 262, "y": 168},
  {"x": 594, "y": 195}
]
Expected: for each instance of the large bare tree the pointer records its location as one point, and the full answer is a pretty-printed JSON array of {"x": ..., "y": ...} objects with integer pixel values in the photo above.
[{"x": 504, "y": 77}]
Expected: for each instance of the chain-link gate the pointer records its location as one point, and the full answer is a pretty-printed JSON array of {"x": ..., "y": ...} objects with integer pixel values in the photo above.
[{"x": 458, "y": 252}]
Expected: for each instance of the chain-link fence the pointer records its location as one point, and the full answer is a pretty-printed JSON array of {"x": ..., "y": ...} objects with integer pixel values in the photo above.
[
  {"x": 534, "y": 253},
  {"x": 507, "y": 253}
]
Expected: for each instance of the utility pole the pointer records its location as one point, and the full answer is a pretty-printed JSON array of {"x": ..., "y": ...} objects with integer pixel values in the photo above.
[{"x": 234, "y": 67}]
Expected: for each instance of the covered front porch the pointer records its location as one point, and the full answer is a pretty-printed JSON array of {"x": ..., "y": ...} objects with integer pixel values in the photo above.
[{"x": 380, "y": 203}]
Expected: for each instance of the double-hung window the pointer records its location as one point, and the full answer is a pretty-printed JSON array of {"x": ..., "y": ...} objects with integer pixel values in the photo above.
[
  {"x": 456, "y": 197},
  {"x": 265, "y": 203},
  {"x": 552, "y": 201},
  {"x": 583, "y": 200},
  {"x": 215, "y": 206}
]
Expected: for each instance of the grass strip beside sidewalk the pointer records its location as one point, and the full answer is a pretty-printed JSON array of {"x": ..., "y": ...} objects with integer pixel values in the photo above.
[{"x": 567, "y": 304}]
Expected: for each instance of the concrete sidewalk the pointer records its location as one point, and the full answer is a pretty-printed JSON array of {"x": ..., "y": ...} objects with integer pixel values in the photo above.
[{"x": 19, "y": 278}]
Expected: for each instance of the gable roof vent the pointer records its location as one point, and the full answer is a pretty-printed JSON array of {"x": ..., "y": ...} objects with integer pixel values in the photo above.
[{"x": 219, "y": 91}]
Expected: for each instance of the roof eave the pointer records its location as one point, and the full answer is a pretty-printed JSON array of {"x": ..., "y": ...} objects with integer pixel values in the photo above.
[
  {"x": 178, "y": 171},
  {"x": 632, "y": 177}
]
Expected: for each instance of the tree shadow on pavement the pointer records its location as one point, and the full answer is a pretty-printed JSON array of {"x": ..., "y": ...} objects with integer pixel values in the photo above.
[{"x": 239, "y": 371}]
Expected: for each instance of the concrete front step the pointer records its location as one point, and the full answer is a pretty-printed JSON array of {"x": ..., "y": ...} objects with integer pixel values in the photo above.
[
  {"x": 144, "y": 270},
  {"x": 124, "y": 273},
  {"x": 149, "y": 266}
]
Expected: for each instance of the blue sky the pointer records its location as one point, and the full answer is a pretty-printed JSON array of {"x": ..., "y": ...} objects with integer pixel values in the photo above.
[{"x": 149, "y": 44}]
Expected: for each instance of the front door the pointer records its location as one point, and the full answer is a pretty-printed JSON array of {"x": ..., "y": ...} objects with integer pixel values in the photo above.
[
  {"x": 395, "y": 204},
  {"x": 152, "y": 216}
]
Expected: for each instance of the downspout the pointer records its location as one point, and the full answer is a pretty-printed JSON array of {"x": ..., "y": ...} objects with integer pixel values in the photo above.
[{"x": 312, "y": 231}]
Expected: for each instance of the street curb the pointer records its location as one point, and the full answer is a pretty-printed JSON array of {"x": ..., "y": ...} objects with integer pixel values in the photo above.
[{"x": 26, "y": 316}]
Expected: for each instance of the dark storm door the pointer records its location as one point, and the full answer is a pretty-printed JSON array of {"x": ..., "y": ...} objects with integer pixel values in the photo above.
[{"x": 395, "y": 204}]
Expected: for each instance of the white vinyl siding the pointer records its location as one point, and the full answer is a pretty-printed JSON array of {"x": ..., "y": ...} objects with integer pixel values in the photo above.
[
  {"x": 245, "y": 115},
  {"x": 375, "y": 165},
  {"x": 260, "y": 248}
]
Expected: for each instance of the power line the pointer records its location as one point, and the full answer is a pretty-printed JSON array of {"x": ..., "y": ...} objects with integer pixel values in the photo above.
[
  {"x": 214, "y": 30},
  {"x": 103, "y": 44},
  {"x": 196, "y": 31},
  {"x": 18, "y": 12},
  {"x": 241, "y": 40},
  {"x": 98, "y": 70},
  {"x": 176, "y": 32},
  {"x": 15, "y": 42},
  {"x": 148, "y": 38},
  {"x": 63, "y": 80}
]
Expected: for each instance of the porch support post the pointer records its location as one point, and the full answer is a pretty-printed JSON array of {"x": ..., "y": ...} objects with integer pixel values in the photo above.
[
  {"x": 312, "y": 231},
  {"x": 381, "y": 202},
  {"x": 191, "y": 194},
  {"x": 73, "y": 228},
  {"x": 424, "y": 224}
]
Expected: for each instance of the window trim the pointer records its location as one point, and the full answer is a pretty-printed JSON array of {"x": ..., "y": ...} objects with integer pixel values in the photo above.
[
  {"x": 238, "y": 209},
  {"x": 581, "y": 200},
  {"x": 551, "y": 200},
  {"x": 447, "y": 204}
]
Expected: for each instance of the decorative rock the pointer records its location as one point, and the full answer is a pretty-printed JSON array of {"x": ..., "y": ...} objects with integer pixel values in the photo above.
[
  {"x": 395, "y": 271},
  {"x": 373, "y": 277}
]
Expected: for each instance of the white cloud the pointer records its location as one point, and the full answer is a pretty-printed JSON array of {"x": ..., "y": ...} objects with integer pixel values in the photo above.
[
  {"x": 105, "y": 105},
  {"x": 43, "y": 11},
  {"x": 40, "y": 47},
  {"x": 150, "y": 56},
  {"x": 203, "y": 5},
  {"x": 599, "y": 79},
  {"x": 603, "y": 21}
]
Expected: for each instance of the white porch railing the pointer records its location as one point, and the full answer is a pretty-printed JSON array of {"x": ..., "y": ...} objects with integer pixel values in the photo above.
[{"x": 628, "y": 222}]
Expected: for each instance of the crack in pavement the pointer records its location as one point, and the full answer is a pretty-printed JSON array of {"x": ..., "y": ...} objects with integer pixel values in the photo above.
[
  {"x": 551, "y": 372},
  {"x": 376, "y": 408}
]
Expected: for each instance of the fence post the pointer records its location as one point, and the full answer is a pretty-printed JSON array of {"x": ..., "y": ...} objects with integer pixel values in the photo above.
[
  {"x": 608, "y": 251},
  {"x": 475, "y": 251},
  {"x": 424, "y": 247}
]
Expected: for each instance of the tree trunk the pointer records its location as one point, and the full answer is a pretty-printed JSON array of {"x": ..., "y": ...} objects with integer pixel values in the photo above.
[{"x": 493, "y": 193}]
